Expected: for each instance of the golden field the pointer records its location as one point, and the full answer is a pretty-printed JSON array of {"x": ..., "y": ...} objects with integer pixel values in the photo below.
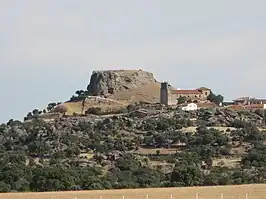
[{"x": 229, "y": 192}]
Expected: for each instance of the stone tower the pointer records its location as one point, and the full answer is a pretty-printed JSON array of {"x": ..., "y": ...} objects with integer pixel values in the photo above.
[{"x": 164, "y": 93}]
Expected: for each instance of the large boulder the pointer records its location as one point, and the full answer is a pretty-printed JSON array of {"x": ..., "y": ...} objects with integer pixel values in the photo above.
[{"x": 112, "y": 81}]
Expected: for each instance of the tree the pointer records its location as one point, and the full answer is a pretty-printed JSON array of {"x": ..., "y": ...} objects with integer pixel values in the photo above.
[
  {"x": 4, "y": 187},
  {"x": 147, "y": 177},
  {"x": 181, "y": 100},
  {"x": 187, "y": 175},
  {"x": 35, "y": 112},
  {"x": 29, "y": 115},
  {"x": 79, "y": 92},
  {"x": 217, "y": 99},
  {"x": 79, "y": 95},
  {"x": 51, "y": 106},
  {"x": 127, "y": 162},
  {"x": 22, "y": 185}
]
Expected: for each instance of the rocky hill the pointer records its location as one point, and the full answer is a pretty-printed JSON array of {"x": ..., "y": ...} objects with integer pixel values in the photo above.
[
  {"x": 114, "y": 89},
  {"x": 145, "y": 145},
  {"x": 114, "y": 136},
  {"x": 126, "y": 86}
]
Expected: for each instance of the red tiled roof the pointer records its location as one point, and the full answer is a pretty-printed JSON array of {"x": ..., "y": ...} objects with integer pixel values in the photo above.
[{"x": 187, "y": 92}]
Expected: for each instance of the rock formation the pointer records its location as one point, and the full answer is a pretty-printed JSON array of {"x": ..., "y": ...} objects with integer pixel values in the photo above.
[{"x": 112, "y": 81}]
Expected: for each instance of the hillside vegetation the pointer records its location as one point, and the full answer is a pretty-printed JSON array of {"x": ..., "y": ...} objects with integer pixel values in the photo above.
[
  {"x": 144, "y": 146},
  {"x": 114, "y": 135}
]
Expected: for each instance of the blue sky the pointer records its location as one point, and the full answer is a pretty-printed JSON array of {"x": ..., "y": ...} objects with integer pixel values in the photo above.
[{"x": 48, "y": 48}]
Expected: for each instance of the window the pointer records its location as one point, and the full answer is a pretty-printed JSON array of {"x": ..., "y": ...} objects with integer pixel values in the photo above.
[{"x": 206, "y": 93}]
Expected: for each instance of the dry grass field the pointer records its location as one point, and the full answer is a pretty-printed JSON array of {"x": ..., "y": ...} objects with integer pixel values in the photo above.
[
  {"x": 148, "y": 93},
  {"x": 229, "y": 192},
  {"x": 105, "y": 105}
]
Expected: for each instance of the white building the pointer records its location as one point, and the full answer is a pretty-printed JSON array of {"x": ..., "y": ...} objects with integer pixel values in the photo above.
[{"x": 190, "y": 107}]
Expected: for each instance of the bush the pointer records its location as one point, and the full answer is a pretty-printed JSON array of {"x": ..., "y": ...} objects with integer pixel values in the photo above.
[
  {"x": 51, "y": 106},
  {"x": 4, "y": 187},
  {"x": 217, "y": 99},
  {"x": 181, "y": 100},
  {"x": 60, "y": 109},
  {"x": 94, "y": 111}
]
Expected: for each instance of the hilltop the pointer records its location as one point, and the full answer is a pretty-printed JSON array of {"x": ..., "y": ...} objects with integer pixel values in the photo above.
[
  {"x": 116, "y": 89},
  {"x": 115, "y": 135},
  {"x": 127, "y": 85},
  {"x": 112, "y": 81}
]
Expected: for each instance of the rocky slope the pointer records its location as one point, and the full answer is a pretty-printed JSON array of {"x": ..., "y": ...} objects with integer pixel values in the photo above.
[
  {"x": 112, "y": 89},
  {"x": 146, "y": 145},
  {"x": 106, "y": 141}
]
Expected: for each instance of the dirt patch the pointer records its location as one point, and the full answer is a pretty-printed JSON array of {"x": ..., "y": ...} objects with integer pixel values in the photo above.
[
  {"x": 153, "y": 151},
  {"x": 193, "y": 129},
  {"x": 226, "y": 162}
]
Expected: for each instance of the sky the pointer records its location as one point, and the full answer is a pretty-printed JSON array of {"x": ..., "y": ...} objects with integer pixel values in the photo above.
[{"x": 49, "y": 48}]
